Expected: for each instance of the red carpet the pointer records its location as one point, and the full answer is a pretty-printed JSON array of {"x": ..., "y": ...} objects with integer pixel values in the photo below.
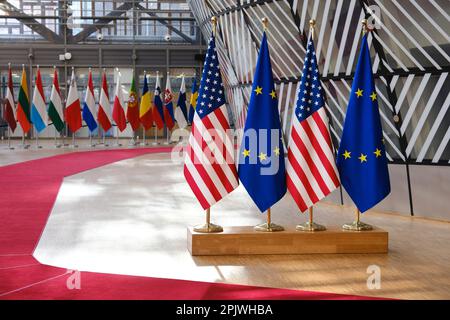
[{"x": 28, "y": 191}]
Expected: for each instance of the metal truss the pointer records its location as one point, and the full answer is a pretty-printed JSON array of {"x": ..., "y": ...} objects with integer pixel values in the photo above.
[{"x": 99, "y": 22}]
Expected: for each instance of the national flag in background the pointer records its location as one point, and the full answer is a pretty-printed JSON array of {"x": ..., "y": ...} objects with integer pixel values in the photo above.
[
  {"x": 180, "y": 110},
  {"x": 23, "y": 104},
  {"x": 39, "y": 115},
  {"x": 104, "y": 107},
  {"x": 193, "y": 101},
  {"x": 132, "y": 107},
  {"x": 145, "y": 110},
  {"x": 158, "y": 113},
  {"x": 169, "y": 118},
  {"x": 10, "y": 105},
  {"x": 311, "y": 168},
  {"x": 361, "y": 159},
  {"x": 55, "y": 107},
  {"x": 261, "y": 165},
  {"x": 209, "y": 166},
  {"x": 89, "y": 109},
  {"x": 118, "y": 112},
  {"x": 73, "y": 106}
]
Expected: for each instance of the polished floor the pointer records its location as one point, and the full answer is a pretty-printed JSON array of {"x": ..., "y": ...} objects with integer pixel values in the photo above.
[{"x": 130, "y": 217}]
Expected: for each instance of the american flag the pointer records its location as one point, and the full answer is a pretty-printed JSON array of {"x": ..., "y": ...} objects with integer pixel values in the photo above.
[
  {"x": 209, "y": 166},
  {"x": 311, "y": 169}
]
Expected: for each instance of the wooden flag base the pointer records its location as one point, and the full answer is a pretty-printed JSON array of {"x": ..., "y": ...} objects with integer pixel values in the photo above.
[{"x": 246, "y": 241}]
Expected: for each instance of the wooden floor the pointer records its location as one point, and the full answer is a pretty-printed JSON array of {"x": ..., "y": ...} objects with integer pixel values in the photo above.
[{"x": 416, "y": 267}]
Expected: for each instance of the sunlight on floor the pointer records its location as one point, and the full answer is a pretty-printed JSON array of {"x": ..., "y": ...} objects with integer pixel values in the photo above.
[{"x": 130, "y": 217}]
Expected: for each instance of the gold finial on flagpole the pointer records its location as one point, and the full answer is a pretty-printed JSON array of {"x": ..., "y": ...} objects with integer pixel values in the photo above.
[
  {"x": 364, "y": 26},
  {"x": 312, "y": 24},
  {"x": 214, "y": 24},
  {"x": 265, "y": 23}
]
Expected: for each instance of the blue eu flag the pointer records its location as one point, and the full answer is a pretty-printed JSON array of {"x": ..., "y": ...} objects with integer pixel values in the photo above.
[
  {"x": 261, "y": 156},
  {"x": 361, "y": 159}
]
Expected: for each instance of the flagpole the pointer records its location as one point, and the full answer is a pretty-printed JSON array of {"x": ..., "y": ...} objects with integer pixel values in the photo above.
[
  {"x": 56, "y": 131},
  {"x": 357, "y": 225},
  {"x": 167, "y": 138},
  {"x": 167, "y": 128},
  {"x": 9, "y": 139},
  {"x": 9, "y": 128},
  {"x": 35, "y": 130},
  {"x": 64, "y": 132},
  {"x": 117, "y": 144},
  {"x": 73, "y": 141},
  {"x": 37, "y": 139},
  {"x": 104, "y": 139},
  {"x": 144, "y": 143},
  {"x": 90, "y": 139},
  {"x": 132, "y": 141},
  {"x": 268, "y": 226},
  {"x": 209, "y": 227},
  {"x": 311, "y": 225},
  {"x": 155, "y": 143},
  {"x": 24, "y": 146},
  {"x": 56, "y": 143},
  {"x": 117, "y": 138}
]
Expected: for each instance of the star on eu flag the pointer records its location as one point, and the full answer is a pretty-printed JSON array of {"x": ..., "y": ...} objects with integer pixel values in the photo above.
[
  {"x": 359, "y": 93},
  {"x": 276, "y": 151},
  {"x": 377, "y": 153},
  {"x": 373, "y": 96},
  {"x": 273, "y": 94},
  {"x": 363, "y": 158},
  {"x": 262, "y": 156}
]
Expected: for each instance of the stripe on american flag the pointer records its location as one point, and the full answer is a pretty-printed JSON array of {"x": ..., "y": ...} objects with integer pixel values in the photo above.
[
  {"x": 208, "y": 168},
  {"x": 311, "y": 171}
]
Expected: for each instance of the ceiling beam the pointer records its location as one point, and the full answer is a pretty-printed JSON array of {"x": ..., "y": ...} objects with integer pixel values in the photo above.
[
  {"x": 30, "y": 22},
  {"x": 90, "y": 29},
  {"x": 164, "y": 22}
]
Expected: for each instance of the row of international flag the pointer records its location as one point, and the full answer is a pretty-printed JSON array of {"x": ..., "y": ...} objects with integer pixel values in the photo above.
[
  {"x": 312, "y": 169},
  {"x": 158, "y": 111}
]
